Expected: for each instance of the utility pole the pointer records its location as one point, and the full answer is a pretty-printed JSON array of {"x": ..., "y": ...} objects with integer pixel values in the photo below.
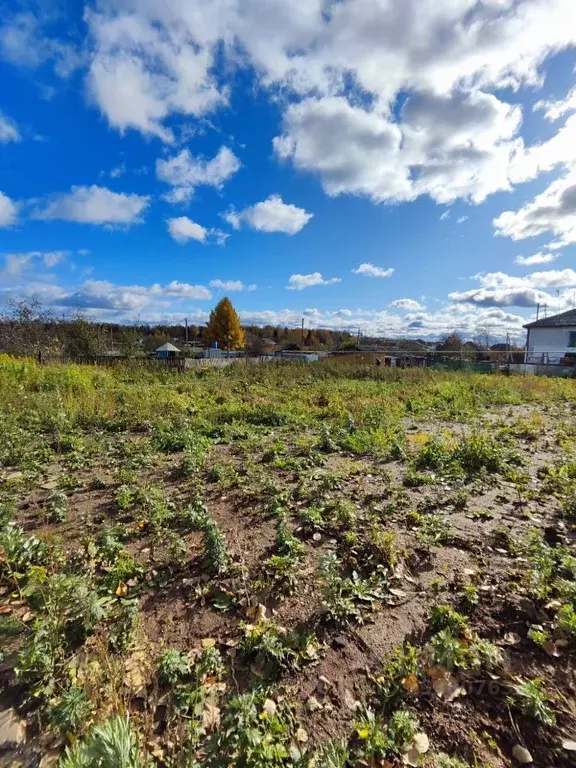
[
  {"x": 359, "y": 335},
  {"x": 302, "y": 335},
  {"x": 537, "y": 310},
  {"x": 186, "y": 333}
]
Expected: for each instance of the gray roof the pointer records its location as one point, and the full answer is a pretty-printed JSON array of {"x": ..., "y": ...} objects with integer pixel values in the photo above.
[
  {"x": 167, "y": 348},
  {"x": 555, "y": 321}
]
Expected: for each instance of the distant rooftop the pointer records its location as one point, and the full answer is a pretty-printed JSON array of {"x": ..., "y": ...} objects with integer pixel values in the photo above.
[
  {"x": 167, "y": 348},
  {"x": 555, "y": 321}
]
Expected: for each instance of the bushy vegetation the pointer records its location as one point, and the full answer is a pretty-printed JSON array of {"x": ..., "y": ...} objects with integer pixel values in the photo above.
[{"x": 204, "y": 569}]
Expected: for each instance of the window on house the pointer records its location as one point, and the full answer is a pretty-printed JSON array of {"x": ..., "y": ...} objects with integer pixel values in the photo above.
[{"x": 572, "y": 338}]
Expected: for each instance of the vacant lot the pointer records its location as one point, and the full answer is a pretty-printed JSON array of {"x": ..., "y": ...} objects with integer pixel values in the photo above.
[{"x": 286, "y": 566}]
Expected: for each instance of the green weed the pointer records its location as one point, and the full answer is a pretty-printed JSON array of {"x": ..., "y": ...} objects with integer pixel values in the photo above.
[
  {"x": 173, "y": 666},
  {"x": 530, "y": 699}
]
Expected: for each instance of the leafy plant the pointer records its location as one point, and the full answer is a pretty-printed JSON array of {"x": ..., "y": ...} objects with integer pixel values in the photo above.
[
  {"x": 433, "y": 530},
  {"x": 312, "y": 518},
  {"x": 442, "y": 760},
  {"x": 445, "y": 617},
  {"x": 286, "y": 543},
  {"x": 281, "y": 573},
  {"x": 379, "y": 739},
  {"x": 342, "y": 594},
  {"x": 470, "y": 595},
  {"x": 479, "y": 452},
  {"x": 173, "y": 666},
  {"x": 69, "y": 608},
  {"x": 337, "y": 591},
  {"x": 448, "y": 651},
  {"x": 124, "y": 625},
  {"x": 108, "y": 545},
  {"x": 400, "y": 675},
  {"x": 334, "y": 754},
  {"x": 19, "y": 552},
  {"x": 216, "y": 555},
  {"x": 209, "y": 663},
  {"x": 112, "y": 744},
  {"x": 530, "y": 698},
  {"x": 124, "y": 498},
  {"x": 275, "y": 648},
  {"x": 70, "y": 712},
  {"x": 125, "y": 568},
  {"x": 57, "y": 507},
  {"x": 252, "y": 733},
  {"x": 566, "y": 620}
]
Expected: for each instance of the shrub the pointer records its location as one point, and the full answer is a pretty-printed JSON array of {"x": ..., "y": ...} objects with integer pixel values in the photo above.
[
  {"x": 529, "y": 698},
  {"x": 112, "y": 744},
  {"x": 173, "y": 666},
  {"x": 71, "y": 711},
  {"x": 57, "y": 507},
  {"x": 216, "y": 555},
  {"x": 20, "y": 552},
  {"x": 251, "y": 735}
]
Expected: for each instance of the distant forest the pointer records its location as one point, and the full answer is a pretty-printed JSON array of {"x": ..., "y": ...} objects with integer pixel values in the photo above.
[{"x": 26, "y": 328}]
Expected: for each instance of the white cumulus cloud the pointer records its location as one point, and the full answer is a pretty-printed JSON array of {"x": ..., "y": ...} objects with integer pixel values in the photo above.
[
  {"x": 536, "y": 258},
  {"x": 552, "y": 212},
  {"x": 8, "y": 130},
  {"x": 554, "y": 110},
  {"x": 184, "y": 172},
  {"x": 299, "y": 282},
  {"x": 153, "y": 60},
  {"x": 95, "y": 205},
  {"x": 146, "y": 66},
  {"x": 452, "y": 146},
  {"x": 25, "y": 42},
  {"x": 498, "y": 289},
  {"x": 408, "y": 304},
  {"x": 386, "y": 99},
  {"x": 231, "y": 285},
  {"x": 271, "y": 215},
  {"x": 372, "y": 271},
  {"x": 8, "y": 211},
  {"x": 182, "y": 229}
]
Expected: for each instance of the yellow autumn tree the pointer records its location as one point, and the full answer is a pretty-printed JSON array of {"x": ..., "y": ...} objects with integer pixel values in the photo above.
[{"x": 224, "y": 326}]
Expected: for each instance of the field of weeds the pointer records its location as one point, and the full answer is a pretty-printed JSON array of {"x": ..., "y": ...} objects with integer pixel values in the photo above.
[{"x": 286, "y": 566}]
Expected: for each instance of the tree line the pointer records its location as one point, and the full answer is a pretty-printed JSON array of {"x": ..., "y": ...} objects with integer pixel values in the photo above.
[{"x": 28, "y": 328}]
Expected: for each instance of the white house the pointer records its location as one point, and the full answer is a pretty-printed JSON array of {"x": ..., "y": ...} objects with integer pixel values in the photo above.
[{"x": 551, "y": 339}]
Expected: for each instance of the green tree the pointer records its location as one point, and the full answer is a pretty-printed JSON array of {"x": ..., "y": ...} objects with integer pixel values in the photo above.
[
  {"x": 81, "y": 338},
  {"x": 224, "y": 326},
  {"x": 451, "y": 342}
]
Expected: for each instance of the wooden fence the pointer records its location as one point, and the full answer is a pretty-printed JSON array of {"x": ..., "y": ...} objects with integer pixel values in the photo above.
[{"x": 173, "y": 363}]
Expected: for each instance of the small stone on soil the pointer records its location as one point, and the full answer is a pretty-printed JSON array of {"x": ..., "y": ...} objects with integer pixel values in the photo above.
[
  {"x": 12, "y": 730},
  {"x": 323, "y": 685},
  {"x": 521, "y": 755},
  {"x": 313, "y": 704}
]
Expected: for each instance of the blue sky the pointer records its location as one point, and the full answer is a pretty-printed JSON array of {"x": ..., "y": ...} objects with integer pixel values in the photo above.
[{"x": 406, "y": 167}]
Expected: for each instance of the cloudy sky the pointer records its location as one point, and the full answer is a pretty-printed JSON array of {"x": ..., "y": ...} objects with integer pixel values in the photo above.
[{"x": 399, "y": 166}]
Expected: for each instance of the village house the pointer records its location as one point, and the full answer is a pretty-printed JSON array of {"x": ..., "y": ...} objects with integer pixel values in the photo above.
[{"x": 552, "y": 339}]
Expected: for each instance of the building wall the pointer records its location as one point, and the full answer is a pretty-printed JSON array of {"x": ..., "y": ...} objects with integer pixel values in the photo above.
[{"x": 549, "y": 344}]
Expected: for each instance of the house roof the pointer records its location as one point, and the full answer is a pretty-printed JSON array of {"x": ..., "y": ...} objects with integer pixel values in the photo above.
[
  {"x": 555, "y": 321},
  {"x": 167, "y": 348}
]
